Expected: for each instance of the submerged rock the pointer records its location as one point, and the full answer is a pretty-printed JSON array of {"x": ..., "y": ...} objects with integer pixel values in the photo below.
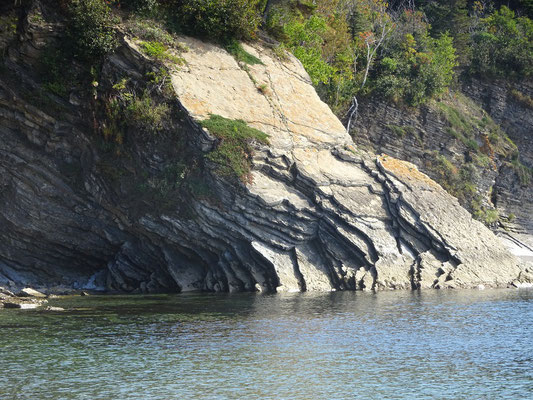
[
  {"x": 22, "y": 306},
  {"x": 54, "y": 308}
]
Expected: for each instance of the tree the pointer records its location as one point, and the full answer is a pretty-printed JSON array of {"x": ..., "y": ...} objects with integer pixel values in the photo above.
[
  {"x": 451, "y": 16},
  {"x": 503, "y": 45}
]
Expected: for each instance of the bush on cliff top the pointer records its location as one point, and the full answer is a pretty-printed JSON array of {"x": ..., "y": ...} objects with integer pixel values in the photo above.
[{"x": 218, "y": 19}]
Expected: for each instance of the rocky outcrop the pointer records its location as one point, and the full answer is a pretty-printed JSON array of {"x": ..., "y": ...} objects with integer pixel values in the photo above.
[
  {"x": 507, "y": 104},
  {"x": 420, "y": 135},
  {"x": 26, "y": 300},
  {"x": 318, "y": 214}
]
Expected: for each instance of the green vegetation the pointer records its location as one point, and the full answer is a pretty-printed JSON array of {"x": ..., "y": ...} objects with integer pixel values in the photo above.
[
  {"x": 8, "y": 24},
  {"x": 461, "y": 183},
  {"x": 142, "y": 7},
  {"x": 127, "y": 106},
  {"x": 145, "y": 114},
  {"x": 90, "y": 29},
  {"x": 461, "y": 126},
  {"x": 350, "y": 48},
  {"x": 54, "y": 77},
  {"x": 487, "y": 216},
  {"x": 234, "y": 150},
  {"x": 320, "y": 38},
  {"x": 415, "y": 67},
  {"x": 218, "y": 19},
  {"x": 525, "y": 174},
  {"x": 400, "y": 131},
  {"x": 150, "y": 30},
  {"x": 503, "y": 45},
  {"x": 236, "y": 50},
  {"x": 468, "y": 123},
  {"x": 523, "y": 99},
  {"x": 160, "y": 52}
]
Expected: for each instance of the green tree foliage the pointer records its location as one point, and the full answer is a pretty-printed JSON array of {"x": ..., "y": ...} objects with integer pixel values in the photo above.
[
  {"x": 503, "y": 45},
  {"x": 319, "y": 36},
  {"x": 450, "y": 17},
  {"x": 91, "y": 29},
  {"x": 355, "y": 47},
  {"x": 218, "y": 19},
  {"x": 415, "y": 67}
]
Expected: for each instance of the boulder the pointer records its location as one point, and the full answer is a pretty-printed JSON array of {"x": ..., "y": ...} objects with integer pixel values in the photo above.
[{"x": 29, "y": 292}]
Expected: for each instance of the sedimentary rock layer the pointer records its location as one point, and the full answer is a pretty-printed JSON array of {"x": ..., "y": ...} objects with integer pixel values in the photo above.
[{"x": 319, "y": 214}]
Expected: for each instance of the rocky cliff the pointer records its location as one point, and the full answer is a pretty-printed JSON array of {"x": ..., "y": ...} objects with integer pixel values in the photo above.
[
  {"x": 477, "y": 143},
  {"x": 148, "y": 211}
]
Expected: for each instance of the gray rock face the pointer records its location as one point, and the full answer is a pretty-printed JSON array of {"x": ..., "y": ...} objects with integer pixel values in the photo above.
[
  {"x": 509, "y": 193},
  {"x": 318, "y": 215},
  {"x": 416, "y": 135}
]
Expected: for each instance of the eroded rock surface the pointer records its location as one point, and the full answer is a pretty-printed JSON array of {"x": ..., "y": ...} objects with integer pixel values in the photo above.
[
  {"x": 323, "y": 215},
  {"x": 318, "y": 215},
  {"x": 418, "y": 135}
]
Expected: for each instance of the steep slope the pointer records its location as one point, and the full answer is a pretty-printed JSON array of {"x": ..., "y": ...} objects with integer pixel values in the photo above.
[
  {"x": 482, "y": 160},
  {"x": 317, "y": 214}
]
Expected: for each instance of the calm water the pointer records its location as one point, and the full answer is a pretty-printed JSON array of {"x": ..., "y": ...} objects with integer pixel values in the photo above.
[{"x": 435, "y": 345}]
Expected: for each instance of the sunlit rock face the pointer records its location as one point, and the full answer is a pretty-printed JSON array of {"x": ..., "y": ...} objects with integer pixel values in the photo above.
[{"x": 317, "y": 213}]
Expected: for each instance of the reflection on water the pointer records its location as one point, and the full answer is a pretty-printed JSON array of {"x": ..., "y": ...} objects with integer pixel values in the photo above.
[{"x": 390, "y": 345}]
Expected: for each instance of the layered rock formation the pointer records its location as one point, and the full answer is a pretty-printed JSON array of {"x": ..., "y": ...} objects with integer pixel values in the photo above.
[
  {"x": 418, "y": 135},
  {"x": 318, "y": 214}
]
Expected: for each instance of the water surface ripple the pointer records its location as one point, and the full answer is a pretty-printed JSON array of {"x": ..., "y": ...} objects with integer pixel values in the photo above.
[{"x": 389, "y": 345}]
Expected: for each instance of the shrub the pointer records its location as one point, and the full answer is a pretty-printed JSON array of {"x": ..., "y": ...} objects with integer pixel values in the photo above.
[
  {"x": 319, "y": 37},
  {"x": 144, "y": 113},
  {"x": 399, "y": 131},
  {"x": 234, "y": 151},
  {"x": 524, "y": 173},
  {"x": 143, "y": 7},
  {"x": 159, "y": 51},
  {"x": 219, "y": 19},
  {"x": 487, "y": 216},
  {"x": 150, "y": 30},
  {"x": 90, "y": 28},
  {"x": 523, "y": 99}
]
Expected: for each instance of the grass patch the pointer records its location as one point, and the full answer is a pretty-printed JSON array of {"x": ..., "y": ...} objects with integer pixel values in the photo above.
[
  {"x": 150, "y": 30},
  {"x": 399, "y": 131},
  {"x": 235, "y": 48},
  {"x": 461, "y": 183},
  {"x": 488, "y": 216},
  {"x": 159, "y": 51},
  {"x": 263, "y": 88},
  {"x": 8, "y": 24},
  {"x": 525, "y": 174},
  {"x": 523, "y": 99},
  {"x": 146, "y": 114},
  {"x": 468, "y": 123},
  {"x": 234, "y": 151}
]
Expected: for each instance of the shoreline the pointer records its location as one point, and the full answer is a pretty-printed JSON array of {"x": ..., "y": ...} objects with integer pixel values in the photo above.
[{"x": 18, "y": 299}]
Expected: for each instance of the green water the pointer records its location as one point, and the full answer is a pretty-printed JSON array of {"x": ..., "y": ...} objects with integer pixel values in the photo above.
[{"x": 392, "y": 345}]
